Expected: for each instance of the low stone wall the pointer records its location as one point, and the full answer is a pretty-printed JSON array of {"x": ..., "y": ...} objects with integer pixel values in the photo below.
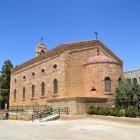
[
  {"x": 78, "y": 105},
  {"x": 20, "y": 116},
  {"x": 1, "y": 117},
  {"x": 2, "y": 114},
  {"x": 128, "y": 120}
]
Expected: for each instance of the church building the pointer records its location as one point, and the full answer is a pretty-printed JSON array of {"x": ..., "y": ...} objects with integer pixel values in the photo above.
[{"x": 72, "y": 75}]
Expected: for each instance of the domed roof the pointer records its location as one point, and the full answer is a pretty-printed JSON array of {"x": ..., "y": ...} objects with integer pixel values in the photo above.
[{"x": 100, "y": 59}]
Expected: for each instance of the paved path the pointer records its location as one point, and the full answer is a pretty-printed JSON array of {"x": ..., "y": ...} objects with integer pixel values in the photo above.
[{"x": 89, "y": 129}]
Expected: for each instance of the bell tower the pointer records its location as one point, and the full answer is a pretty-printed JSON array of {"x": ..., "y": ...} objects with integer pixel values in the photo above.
[{"x": 41, "y": 48}]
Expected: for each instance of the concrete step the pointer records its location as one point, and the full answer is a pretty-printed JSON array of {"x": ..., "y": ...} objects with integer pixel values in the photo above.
[{"x": 50, "y": 118}]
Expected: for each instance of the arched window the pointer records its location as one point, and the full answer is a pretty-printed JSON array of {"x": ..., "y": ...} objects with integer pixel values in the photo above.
[
  {"x": 15, "y": 94},
  {"x": 55, "y": 84},
  {"x": 42, "y": 52},
  {"x": 24, "y": 77},
  {"x": 23, "y": 92},
  {"x": 119, "y": 80},
  {"x": 98, "y": 52},
  {"x": 42, "y": 88},
  {"x": 134, "y": 80},
  {"x": 33, "y": 90},
  {"x": 107, "y": 84}
]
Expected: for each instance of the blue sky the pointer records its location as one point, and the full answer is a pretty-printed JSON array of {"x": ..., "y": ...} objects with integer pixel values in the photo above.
[{"x": 24, "y": 22}]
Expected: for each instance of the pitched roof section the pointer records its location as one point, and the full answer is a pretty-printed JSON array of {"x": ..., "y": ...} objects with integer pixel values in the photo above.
[{"x": 64, "y": 47}]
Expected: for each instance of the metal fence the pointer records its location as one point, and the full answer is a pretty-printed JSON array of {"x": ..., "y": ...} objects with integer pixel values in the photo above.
[
  {"x": 27, "y": 109},
  {"x": 50, "y": 111},
  {"x": 34, "y": 112}
]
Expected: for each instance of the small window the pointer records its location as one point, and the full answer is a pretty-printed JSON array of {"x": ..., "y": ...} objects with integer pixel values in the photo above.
[
  {"x": 134, "y": 80},
  {"x": 93, "y": 89},
  {"x": 55, "y": 85},
  {"x": 42, "y": 71},
  {"x": 33, "y": 74},
  {"x": 33, "y": 91},
  {"x": 24, "y": 77},
  {"x": 15, "y": 94},
  {"x": 107, "y": 84},
  {"x": 98, "y": 52},
  {"x": 42, "y": 88},
  {"x": 42, "y": 52},
  {"x": 15, "y": 80},
  {"x": 23, "y": 92},
  {"x": 55, "y": 66},
  {"x": 119, "y": 80}
]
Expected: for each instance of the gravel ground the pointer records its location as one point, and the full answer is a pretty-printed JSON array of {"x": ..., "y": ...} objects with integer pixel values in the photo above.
[{"x": 89, "y": 129}]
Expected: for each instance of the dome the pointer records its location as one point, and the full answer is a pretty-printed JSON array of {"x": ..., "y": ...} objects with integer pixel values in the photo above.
[{"x": 100, "y": 59}]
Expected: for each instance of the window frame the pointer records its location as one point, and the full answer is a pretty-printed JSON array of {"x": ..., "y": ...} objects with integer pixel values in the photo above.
[
  {"x": 55, "y": 86},
  {"x": 42, "y": 88},
  {"x": 23, "y": 93},
  {"x": 107, "y": 84},
  {"x": 15, "y": 94},
  {"x": 33, "y": 91}
]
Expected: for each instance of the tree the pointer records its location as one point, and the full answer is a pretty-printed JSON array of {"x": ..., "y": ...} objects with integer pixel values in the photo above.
[
  {"x": 127, "y": 94},
  {"x": 5, "y": 83}
]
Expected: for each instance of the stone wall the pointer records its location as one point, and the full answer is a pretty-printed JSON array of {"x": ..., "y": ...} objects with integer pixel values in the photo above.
[
  {"x": 75, "y": 70},
  {"x": 47, "y": 77},
  {"x": 78, "y": 105},
  {"x": 133, "y": 74},
  {"x": 94, "y": 77},
  {"x": 74, "y": 80}
]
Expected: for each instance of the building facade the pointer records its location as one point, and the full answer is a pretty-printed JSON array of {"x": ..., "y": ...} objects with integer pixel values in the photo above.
[
  {"x": 71, "y": 75},
  {"x": 133, "y": 76}
]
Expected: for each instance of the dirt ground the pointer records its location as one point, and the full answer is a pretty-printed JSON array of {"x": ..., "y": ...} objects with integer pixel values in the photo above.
[{"x": 89, "y": 129}]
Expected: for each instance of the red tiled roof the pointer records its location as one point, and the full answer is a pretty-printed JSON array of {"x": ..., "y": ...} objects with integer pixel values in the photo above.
[
  {"x": 100, "y": 59},
  {"x": 62, "y": 48}
]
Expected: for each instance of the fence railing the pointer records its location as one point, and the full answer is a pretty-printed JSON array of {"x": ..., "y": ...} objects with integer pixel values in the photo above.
[
  {"x": 36, "y": 112},
  {"x": 49, "y": 111},
  {"x": 27, "y": 109}
]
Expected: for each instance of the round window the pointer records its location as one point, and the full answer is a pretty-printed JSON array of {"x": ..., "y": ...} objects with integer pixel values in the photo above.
[
  {"x": 33, "y": 74},
  {"x": 42, "y": 71},
  {"x": 55, "y": 66},
  {"x": 24, "y": 77}
]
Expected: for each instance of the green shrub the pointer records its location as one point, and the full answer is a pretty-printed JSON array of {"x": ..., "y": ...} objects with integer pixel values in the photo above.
[
  {"x": 103, "y": 111},
  {"x": 138, "y": 113},
  {"x": 91, "y": 110},
  {"x": 131, "y": 112},
  {"x": 97, "y": 110},
  {"x": 116, "y": 112}
]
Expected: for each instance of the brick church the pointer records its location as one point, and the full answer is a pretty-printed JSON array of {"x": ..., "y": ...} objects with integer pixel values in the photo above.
[{"x": 71, "y": 75}]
